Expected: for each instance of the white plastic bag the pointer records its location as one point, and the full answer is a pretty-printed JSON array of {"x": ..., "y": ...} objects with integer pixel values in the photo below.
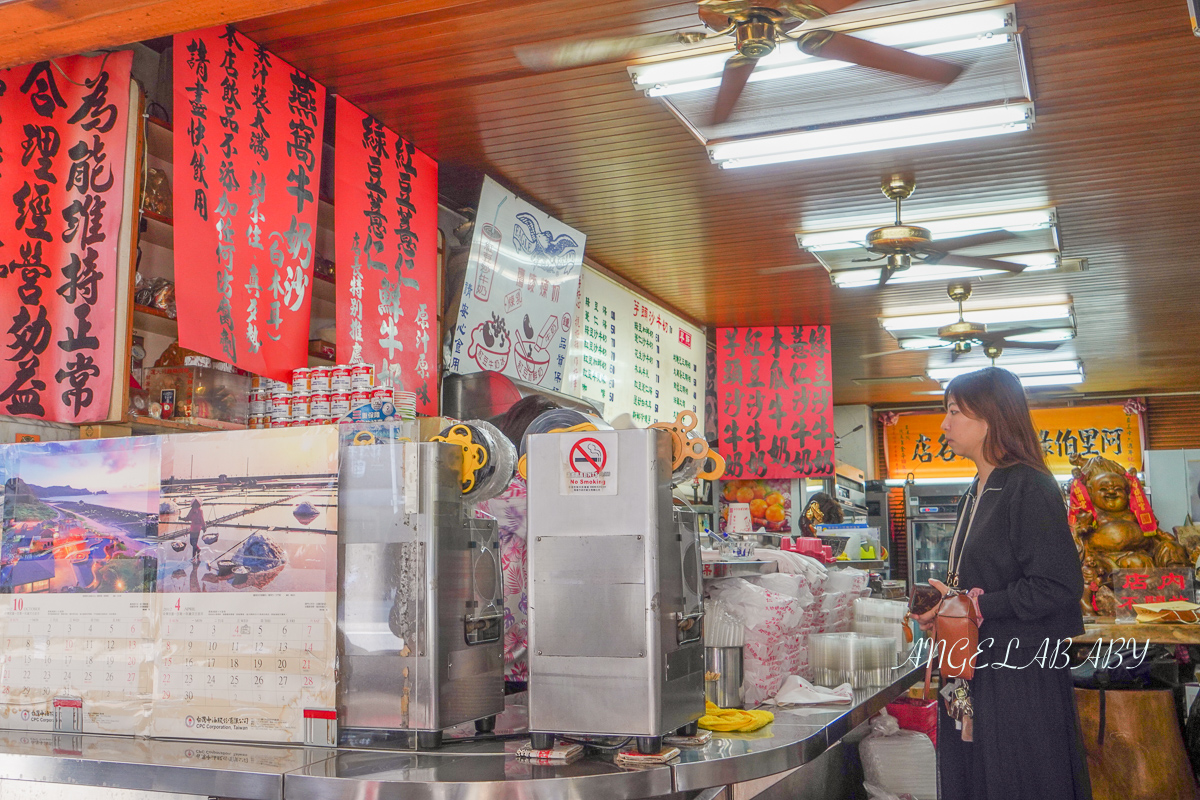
[{"x": 898, "y": 761}]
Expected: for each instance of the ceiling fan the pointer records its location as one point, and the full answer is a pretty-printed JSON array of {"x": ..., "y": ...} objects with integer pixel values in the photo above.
[
  {"x": 757, "y": 30},
  {"x": 899, "y": 245},
  {"x": 963, "y": 335}
]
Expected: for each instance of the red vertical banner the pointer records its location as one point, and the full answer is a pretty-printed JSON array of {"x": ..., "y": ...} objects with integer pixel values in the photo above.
[
  {"x": 775, "y": 401},
  {"x": 63, "y": 130},
  {"x": 247, "y": 167},
  {"x": 385, "y": 240}
]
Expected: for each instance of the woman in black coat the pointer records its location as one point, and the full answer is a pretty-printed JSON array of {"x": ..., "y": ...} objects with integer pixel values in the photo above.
[{"x": 1013, "y": 550}]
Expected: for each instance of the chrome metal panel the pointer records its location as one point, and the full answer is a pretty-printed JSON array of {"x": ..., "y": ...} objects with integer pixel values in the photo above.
[
  {"x": 248, "y": 772},
  {"x": 420, "y": 606},
  {"x": 577, "y": 686}
]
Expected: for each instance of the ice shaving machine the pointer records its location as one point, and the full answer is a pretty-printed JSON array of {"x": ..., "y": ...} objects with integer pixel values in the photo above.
[
  {"x": 420, "y": 601},
  {"x": 616, "y": 644}
]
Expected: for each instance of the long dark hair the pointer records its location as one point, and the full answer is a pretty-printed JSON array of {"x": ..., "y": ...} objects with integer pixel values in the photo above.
[{"x": 995, "y": 396}]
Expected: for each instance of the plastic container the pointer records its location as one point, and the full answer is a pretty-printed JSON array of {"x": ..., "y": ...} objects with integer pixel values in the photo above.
[{"x": 854, "y": 658}]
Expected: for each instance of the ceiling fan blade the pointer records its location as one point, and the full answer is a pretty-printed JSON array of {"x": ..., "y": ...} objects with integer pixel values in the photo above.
[
  {"x": 1028, "y": 345},
  {"x": 974, "y": 240},
  {"x": 955, "y": 260},
  {"x": 839, "y": 46},
  {"x": 583, "y": 52},
  {"x": 954, "y": 354},
  {"x": 733, "y": 80},
  {"x": 713, "y": 18},
  {"x": 991, "y": 337}
]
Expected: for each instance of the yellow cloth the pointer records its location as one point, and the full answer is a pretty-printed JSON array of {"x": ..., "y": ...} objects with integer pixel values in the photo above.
[{"x": 733, "y": 719}]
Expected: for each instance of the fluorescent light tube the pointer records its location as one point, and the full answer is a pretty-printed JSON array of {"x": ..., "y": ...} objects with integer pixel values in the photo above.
[
  {"x": 844, "y": 140},
  {"x": 1015, "y": 221},
  {"x": 1022, "y": 369},
  {"x": 845, "y": 279},
  {"x": 1049, "y": 310},
  {"x": 936, "y": 36}
]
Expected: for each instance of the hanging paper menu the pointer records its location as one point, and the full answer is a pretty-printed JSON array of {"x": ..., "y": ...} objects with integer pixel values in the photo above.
[
  {"x": 519, "y": 295},
  {"x": 631, "y": 356}
]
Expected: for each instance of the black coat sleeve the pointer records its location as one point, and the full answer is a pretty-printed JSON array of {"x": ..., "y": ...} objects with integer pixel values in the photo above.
[{"x": 1051, "y": 580}]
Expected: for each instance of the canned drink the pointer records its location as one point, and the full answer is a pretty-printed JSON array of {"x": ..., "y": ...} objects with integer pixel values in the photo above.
[
  {"x": 381, "y": 395},
  {"x": 359, "y": 398},
  {"x": 265, "y": 421},
  {"x": 281, "y": 406},
  {"x": 301, "y": 379},
  {"x": 341, "y": 379},
  {"x": 321, "y": 420},
  {"x": 258, "y": 403},
  {"x": 256, "y": 383},
  {"x": 339, "y": 404},
  {"x": 320, "y": 404},
  {"x": 275, "y": 387},
  {"x": 301, "y": 405},
  {"x": 362, "y": 377},
  {"x": 319, "y": 378}
]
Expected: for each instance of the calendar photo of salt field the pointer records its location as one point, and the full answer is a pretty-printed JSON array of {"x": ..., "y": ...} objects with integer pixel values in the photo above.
[
  {"x": 249, "y": 511},
  {"x": 80, "y": 516}
]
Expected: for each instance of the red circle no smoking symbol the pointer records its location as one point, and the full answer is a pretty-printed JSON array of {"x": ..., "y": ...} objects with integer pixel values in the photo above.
[{"x": 588, "y": 455}]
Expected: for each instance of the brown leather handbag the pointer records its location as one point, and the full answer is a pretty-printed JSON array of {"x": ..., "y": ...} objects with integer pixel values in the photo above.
[{"x": 956, "y": 638}]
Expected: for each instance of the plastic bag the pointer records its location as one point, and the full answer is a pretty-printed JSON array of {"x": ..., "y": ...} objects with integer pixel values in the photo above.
[{"x": 898, "y": 761}]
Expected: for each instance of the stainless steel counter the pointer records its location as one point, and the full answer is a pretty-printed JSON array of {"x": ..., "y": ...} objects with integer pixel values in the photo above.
[{"x": 475, "y": 770}]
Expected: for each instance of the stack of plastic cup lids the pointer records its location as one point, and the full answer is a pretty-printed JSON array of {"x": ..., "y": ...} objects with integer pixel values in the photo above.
[
  {"x": 881, "y": 618},
  {"x": 722, "y": 628},
  {"x": 854, "y": 658},
  {"x": 557, "y": 418}
]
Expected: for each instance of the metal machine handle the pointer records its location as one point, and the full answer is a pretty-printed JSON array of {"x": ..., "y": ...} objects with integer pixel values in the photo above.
[{"x": 690, "y": 627}]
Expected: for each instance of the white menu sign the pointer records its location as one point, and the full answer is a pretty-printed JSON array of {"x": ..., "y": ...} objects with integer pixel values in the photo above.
[
  {"x": 633, "y": 356},
  {"x": 520, "y": 290}
]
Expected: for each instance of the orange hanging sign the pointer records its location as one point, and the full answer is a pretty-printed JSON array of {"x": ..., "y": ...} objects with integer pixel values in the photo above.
[{"x": 916, "y": 445}]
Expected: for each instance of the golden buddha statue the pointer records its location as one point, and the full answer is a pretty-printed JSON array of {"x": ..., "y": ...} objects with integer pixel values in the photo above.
[{"x": 1114, "y": 527}]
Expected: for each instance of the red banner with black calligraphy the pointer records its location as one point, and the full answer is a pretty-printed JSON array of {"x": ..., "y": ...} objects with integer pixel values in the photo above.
[
  {"x": 385, "y": 243},
  {"x": 775, "y": 401},
  {"x": 63, "y": 128},
  {"x": 247, "y": 169}
]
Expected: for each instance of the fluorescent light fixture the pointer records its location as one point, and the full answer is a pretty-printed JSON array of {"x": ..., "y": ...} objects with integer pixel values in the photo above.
[
  {"x": 1023, "y": 369},
  {"x": 1035, "y": 262},
  {"x": 1045, "y": 312},
  {"x": 937, "y": 36},
  {"x": 1013, "y": 222},
  {"x": 1034, "y": 381},
  {"x": 922, "y": 344},
  {"x": 871, "y": 136},
  {"x": 1061, "y": 478}
]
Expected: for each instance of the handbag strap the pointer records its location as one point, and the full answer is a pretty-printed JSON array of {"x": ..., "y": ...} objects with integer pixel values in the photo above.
[{"x": 956, "y": 546}]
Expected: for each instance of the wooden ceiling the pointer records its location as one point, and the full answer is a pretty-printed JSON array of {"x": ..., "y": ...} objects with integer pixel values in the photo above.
[{"x": 1116, "y": 149}]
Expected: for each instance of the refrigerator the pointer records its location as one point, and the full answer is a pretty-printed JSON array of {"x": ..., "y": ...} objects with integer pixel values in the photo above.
[{"x": 931, "y": 511}]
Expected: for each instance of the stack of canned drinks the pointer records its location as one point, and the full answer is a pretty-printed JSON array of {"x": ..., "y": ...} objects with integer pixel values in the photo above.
[{"x": 315, "y": 396}]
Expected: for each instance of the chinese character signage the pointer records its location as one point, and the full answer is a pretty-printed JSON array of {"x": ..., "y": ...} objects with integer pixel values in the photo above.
[
  {"x": 247, "y": 166},
  {"x": 519, "y": 295},
  {"x": 62, "y": 179},
  {"x": 385, "y": 228},
  {"x": 1136, "y": 586},
  {"x": 775, "y": 401},
  {"x": 916, "y": 444},
  {"x": 630, "y": 356}
]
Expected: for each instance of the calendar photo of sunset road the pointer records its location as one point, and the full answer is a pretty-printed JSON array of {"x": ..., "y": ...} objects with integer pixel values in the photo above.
[
  {"x": 80, "y": 516},
  {"x": 244, "y": 516}
]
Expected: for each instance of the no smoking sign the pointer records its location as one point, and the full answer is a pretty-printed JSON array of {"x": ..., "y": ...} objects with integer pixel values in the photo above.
[{"x": 589, "y": 463}]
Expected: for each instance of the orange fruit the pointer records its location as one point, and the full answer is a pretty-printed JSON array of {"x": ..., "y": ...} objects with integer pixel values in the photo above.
[
  {"x": 745, "y": 494},
  {"x": 759, "y": 490},
  {"x": 730, "y": 491},
  {"x": 774, "y": 499},
  {"x": 758, "y": 508},
  {"x": 775, "y": 513}
]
